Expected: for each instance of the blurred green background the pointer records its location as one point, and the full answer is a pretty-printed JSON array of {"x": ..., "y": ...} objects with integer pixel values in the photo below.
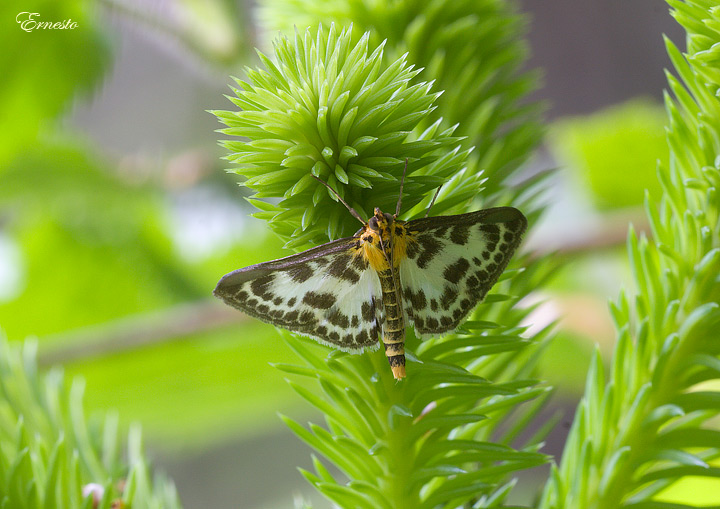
[{"x": 117, "y": 219}]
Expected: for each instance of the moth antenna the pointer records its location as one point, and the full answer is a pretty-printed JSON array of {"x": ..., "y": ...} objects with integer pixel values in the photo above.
[
  {"x": 433, "y": 201},
  {"x": 352, "y": 210},
  {"x": 402, "y": 184}
]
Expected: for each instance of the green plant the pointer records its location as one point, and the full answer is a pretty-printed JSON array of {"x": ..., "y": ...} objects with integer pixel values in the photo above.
[
  {"x": 332, "y": 108},
  {"x": 433, "y": 441},
  {"x": 51, "y": 457},
  {"x": 472, "y": 50},
  {"x": 344, "y": 106},
  {"x": 648, "y": 426}
]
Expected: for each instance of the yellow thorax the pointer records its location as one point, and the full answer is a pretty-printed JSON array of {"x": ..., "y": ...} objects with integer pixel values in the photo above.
[{"x": 393, "y": 233}]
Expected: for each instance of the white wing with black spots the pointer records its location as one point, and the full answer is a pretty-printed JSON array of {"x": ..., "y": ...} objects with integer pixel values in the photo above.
[
  {"x": 452, "y": 262},
  {"x": 328, "y": 293}
]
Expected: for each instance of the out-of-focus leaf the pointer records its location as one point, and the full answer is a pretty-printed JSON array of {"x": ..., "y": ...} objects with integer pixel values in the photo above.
[
  {"x": 43, "y": 69},
  {"x": 615, "y": 151},
  {"x": 92, "y": 246},
  {"x": 197, "y": 392}
]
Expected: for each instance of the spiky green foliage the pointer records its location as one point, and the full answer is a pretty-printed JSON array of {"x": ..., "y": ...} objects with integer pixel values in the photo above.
[
  {"x": 433, "y": 440},
  {"x": 648, "y": 425},
  {"x": 49, "y": 455},
  {"x": 336, "y": 111},
  {"x": 414, "y": 444},
  {"x": 471, "y": 49}
]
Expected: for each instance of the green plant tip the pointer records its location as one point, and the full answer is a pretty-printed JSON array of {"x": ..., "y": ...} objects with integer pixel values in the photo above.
[{"x": 334, "y": 109}]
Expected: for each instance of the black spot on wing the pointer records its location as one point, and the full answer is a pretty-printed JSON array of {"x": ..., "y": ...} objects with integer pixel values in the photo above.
[
  {"x": 363, "y": 338},
  {"x": 456, "y": 271},
  {"x": 321, "y": 262},
  {"x": 342, "y": 268},
  {"x": 517, "y": 225},
  {"x": 368, "y": 310},
  {"x": 490, "y": 229},
  {"x": 339, "y": 319},
  {"x": 319, "y": 300},
  {"x": 429, "y": 248},
  {"x": 261, "y": 286},
  {"x": 359, "y": 263},
  {"x": 460, "y": 234},
  {"x": 412, "y": 250},
  {"x": 417, "y": 300},
  {"x": 300, "y": 273},
  {"x": 447, "y": 299}
]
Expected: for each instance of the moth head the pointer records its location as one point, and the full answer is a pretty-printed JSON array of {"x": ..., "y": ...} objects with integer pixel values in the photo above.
[{"x": 380, "y": 220}]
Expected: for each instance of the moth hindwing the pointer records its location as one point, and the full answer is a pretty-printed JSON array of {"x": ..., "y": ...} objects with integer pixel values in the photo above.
[{"x": 427, "y": 272}]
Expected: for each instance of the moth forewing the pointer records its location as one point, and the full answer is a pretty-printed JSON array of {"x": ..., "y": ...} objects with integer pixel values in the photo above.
[
  {"x": 328, "y": 293},
  {"x": 452, "y": 262}
]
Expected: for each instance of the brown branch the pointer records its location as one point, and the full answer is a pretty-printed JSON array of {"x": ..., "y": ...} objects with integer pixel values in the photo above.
[{"x": 136, "y": 331}]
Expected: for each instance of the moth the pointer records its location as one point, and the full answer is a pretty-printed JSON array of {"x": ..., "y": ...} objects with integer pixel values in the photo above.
[{"x": 348, "y": 293}]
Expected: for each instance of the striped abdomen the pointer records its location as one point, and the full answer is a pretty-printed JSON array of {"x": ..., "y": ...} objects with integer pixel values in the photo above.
[{"x": 394, "y": 327}]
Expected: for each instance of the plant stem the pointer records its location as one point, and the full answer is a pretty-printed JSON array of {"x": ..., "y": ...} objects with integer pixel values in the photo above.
[{"x": 399, "y": 454}]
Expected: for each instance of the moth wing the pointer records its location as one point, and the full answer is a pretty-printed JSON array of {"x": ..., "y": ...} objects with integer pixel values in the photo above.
[
  {"x": 452, "y": 262},
  {"x": 328, "y": 293}
]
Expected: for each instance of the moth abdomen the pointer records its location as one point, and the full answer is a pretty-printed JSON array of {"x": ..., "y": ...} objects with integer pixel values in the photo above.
[{"x": 394, "y": 327}]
